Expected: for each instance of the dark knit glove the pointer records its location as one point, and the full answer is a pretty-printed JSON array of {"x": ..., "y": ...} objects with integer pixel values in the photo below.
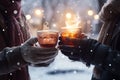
[
  {"x": 37, "y": 55},
  {"x": 85, "y": 50}
]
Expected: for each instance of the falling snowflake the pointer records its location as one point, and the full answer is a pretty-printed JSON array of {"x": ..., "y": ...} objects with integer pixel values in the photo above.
[
  {"x": 11, "y": 74},
  {"x": 110, "y": 65},
  {"x": 15, "y": 11},
  {"x": 5, "y": 11},
  {"x": 13, "y": 1},
  {"x": 18, "y": 63},
  {"x": 3, "y": 30}
]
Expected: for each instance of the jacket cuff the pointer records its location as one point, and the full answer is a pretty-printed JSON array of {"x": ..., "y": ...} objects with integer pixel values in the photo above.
[
  {"x": 14, "y": 58},
  {"x": 100, "y": 55}
]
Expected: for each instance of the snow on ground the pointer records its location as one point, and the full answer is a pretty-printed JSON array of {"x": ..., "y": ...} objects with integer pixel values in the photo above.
[{"x": 61, "y": 69}]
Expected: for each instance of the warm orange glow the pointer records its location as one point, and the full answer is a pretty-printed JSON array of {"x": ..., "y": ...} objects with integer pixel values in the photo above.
[
  {"x": 70, "y": 33},
  {"x": 54, "y": 25},
  {"x": 72, "y": 30},
  {"x": 71, "y": 20},
  {"x": 90, "y": 12},
  {"x": 96, "y": 17},
  {"x": 38, "y": 12},
  {"x": 28, "y": 17},
  {"x": 68, "y": 15}
]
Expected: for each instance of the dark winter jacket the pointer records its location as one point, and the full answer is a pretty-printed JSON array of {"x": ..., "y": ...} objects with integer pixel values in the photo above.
[
  {"x": 13, "y": 32},
  {"x": 109, "y": 35}
]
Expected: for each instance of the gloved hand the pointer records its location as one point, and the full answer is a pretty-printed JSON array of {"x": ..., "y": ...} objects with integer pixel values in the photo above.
[
  {"x": 85, "y": 50},
  {"x": 37, "y": 55}
]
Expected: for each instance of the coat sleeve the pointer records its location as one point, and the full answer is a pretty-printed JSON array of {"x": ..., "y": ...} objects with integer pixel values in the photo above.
[
  {"x": 112, "y": 62},
  {"x": 107, "y": 58},
  {"x": 10, "y": 60}
]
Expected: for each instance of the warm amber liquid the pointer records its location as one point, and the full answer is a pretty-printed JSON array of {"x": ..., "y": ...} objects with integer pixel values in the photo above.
[
  {"x": 67, "y": 37},
  {"x": 47, "y": 45},
  {"x": 48, "y": 39},
  {"x": 66, "y": 41}
]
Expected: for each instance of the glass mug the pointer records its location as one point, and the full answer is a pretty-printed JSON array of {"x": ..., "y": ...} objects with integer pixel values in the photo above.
[
  {"x": 67, "y": 34},
  {"x": 47, "y": 38}
]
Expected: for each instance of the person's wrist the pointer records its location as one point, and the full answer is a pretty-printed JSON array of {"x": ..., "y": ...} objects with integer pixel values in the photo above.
[
  {"x": 14, "y": 57},
  {"x": 100, "y": 55},
  {"x": 88, "y": 51}
]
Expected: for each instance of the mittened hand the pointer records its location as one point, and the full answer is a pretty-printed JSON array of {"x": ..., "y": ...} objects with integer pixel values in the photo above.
[
  {"x": 37, "y": 55},
  {"x": 72, "y": 53},
  {"x": 82, "y": 50},
  {"x": 75, "y": 51}
]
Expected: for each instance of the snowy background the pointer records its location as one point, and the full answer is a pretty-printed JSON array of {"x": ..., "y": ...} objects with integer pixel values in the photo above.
[
  {"x": 53, "y": 11},
  {"x": 61, "y": 69}
]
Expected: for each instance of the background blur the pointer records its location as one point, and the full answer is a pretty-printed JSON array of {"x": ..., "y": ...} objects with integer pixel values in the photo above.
[{"x": 54, "y": 14}]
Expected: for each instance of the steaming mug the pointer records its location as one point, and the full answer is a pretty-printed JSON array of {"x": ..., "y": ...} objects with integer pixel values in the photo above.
[{"x": 68, "y": 34}]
